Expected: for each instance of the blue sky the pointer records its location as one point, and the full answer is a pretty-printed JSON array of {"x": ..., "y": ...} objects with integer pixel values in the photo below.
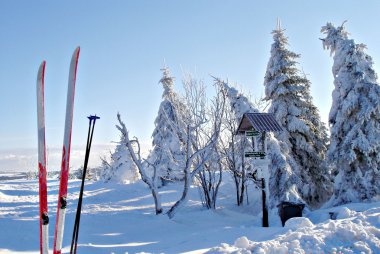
[{"x": 124, "y": 44}]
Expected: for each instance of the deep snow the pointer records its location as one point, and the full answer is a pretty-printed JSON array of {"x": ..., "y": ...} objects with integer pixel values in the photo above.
[
  {"x": 352, "y": 232},
  {"x": 119, "y": 218}
]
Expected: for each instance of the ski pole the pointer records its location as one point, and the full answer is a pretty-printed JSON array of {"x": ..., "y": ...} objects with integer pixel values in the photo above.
[{"x": 74, "y": 240}]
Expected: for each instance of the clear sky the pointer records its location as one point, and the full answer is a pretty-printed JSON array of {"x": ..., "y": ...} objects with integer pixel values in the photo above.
[{"x": 124, "y": 44}]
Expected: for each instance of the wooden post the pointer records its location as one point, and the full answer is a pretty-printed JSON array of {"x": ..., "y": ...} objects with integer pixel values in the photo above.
[
  {"x": 264, "y": 142},
  {"x": 265, "y": 209}
]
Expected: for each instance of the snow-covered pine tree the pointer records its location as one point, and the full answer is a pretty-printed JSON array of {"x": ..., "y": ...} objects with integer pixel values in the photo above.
[
  {"x": 121, "y": 168},
  {"x": 354, "y": 119},
  {"x": 283, "y": 183},
  {"x": 169, "y": 133},
  {"x": 304, "y": 135},
  {"x": 104, "y": 170}
]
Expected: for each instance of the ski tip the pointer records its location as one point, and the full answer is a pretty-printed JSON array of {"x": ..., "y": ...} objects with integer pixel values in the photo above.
[
  {"x": 73, "y": 66},
  {"x": 41, "y": 71},
  {"x": 75, "y": 56},
  {"x": 76, "y": 52}
]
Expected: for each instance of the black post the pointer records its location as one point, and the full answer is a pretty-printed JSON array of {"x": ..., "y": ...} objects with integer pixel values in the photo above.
[
  {"x": 265, "y": 209},
  {"x": 74, "y": 240}
]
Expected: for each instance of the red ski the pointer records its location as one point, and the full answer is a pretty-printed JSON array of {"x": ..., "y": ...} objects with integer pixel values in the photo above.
[
  {"x": 44, "y": 218},
  {"x": 62, "y": 195}
]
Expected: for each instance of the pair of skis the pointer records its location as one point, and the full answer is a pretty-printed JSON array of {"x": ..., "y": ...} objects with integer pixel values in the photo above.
[{"x": 61, "y": 209}]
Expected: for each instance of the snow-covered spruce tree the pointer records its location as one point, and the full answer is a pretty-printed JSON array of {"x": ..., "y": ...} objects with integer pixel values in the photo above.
[
  {"x": 105, "y": 170},
  {"x": 168, "y": 135},
  {"x": 354, "y": 120},
  {"x": 283, "y": 183},
  {"x": 121, "y": 167},
  {"x": 304, "y": 136}
]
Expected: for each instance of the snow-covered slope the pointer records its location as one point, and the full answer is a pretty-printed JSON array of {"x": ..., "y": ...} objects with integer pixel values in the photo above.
[{"x": 120, "y": 218}]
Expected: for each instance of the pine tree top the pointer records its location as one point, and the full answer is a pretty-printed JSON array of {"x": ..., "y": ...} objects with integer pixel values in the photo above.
[
  {"x": 355, "y": 82},
  {"x": 279, "y": 37},
  {"x": 167, "y": 82},
  {"x": 282, "y": 76},
  {"x": 334, "y": 35}
]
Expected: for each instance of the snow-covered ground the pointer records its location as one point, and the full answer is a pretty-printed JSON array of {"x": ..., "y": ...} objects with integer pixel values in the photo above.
[
  {"x": 120, "y": 218},
  {"x": 354, "y": 231}
]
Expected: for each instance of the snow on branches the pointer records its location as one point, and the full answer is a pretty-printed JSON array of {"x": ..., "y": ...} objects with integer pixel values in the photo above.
[
  {"x": 168, "y": 135},
  {"x": 120, "y": 167},
  {"x": 199, "y": 139},
  {"x": 202, "y": 134},
  {"x": 354, "y": 119},
  {"x": 304, "y": 137}
]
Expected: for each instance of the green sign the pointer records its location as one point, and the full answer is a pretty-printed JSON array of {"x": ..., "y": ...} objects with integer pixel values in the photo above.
[
  {"x": 252, "y": 133},
  {"x": 255, "y": 155}
]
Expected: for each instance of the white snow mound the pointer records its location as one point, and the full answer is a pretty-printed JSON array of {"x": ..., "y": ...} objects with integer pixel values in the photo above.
[
  {"x": 242, "y": 242},
  {"x": 298, "y": 222},
  {"x": 345, "y": 213}
]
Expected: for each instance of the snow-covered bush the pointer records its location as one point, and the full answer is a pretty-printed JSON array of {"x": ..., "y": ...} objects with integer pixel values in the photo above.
[{"x": 120, "y": 168}]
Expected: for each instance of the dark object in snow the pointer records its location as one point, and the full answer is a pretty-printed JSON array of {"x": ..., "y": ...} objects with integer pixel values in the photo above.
[
  {"x": 333, "y": 215},
  {"x": 265, "y": 208},
  {"x": 288, "y": 210}
]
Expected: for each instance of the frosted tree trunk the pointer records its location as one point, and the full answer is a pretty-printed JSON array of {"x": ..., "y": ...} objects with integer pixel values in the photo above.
[
  {"x": 151, "y": 182},
  {"x": 183, "y": 199}
]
